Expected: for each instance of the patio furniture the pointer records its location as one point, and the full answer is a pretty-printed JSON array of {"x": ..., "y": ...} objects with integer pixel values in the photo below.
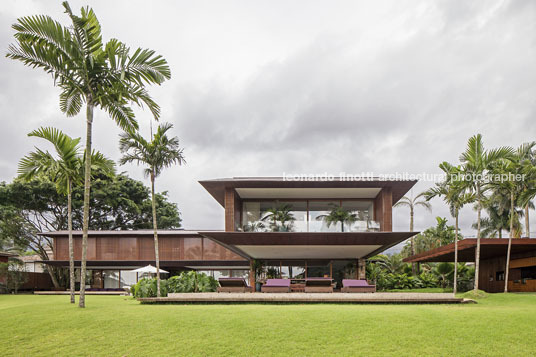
[
  {"x": 318, "y": 285},
  {"x": 276, "y": 286},
  {"x": 233, "y": 285},
  {"x": 357, "y": 286}
]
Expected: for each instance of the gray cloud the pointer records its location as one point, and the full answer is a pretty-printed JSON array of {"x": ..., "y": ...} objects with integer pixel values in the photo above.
[{"x": 307, "y": 87}]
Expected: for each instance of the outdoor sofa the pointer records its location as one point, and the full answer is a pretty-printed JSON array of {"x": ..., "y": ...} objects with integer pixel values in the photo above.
[
  {"x": 233, "y": 285},
  {"x": 357, "y": 286},
  {"x": 276, "y": 286},
  {"x": 319, "y": 285}
]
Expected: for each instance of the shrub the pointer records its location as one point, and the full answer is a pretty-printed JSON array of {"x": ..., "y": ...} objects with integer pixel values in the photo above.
[
  {"x": 427, "y": 280},
  {"x": 146, "y": 287},
  {"x": 192, "y": 282}
]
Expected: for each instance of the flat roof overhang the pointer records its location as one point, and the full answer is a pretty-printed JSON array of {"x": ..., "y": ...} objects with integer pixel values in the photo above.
[
  {"x": 307, "y": 245},
  {"x": 124, "y": 233},
  {"x": 278, "y": 187},
  {"x": 489, "y": 248},
  {"x": 197, "y": 264}
]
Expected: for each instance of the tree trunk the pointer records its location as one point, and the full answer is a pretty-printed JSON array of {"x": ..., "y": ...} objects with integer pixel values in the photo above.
[
  {"x": 477, "y": 251},
  {"x": 155, "y": 229},
  {"x": 52, "y": 273},
  {"x": 87, "y": 186},
  {"x": 71, "y": 248},
  {"x": 527, "y": 223},
  {"x": 412, "y": 243},
  {"x": 455, "y": 286},
  {"x": 509, "y": 241}
]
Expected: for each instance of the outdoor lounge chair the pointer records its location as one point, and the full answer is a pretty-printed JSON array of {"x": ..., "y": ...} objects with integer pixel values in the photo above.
[
  {"x": 357, "y": 286},
  {"x": 276, "y": 286},
  {"x": 318, "y": 285},
  {"x": 233, "y": 285}
]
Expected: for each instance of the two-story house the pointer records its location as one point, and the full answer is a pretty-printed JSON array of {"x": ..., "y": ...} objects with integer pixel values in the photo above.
[{"x": 296, "y": 229}]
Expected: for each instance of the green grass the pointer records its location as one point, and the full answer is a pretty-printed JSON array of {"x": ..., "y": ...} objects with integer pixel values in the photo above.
[{"x": 501, "y": 324}]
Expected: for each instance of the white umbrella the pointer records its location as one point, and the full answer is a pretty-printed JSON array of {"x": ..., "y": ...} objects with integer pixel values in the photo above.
[{"x": 149, "y": 269}]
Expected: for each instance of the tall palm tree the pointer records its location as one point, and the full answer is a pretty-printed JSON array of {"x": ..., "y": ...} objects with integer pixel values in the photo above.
[
  {"x": 105, "y": 76},
  {"x": 65, "y": 170},
  {"x": 476, "y": 161},
  {"x": 527, "y": 157},
  {"x": 412, "y": 203},
  {"x": 455, "y": 194},
  {"x": 510, "y": 168},
  {"x": 157, "y": 154},
  {"x": 338, "y": 214}
]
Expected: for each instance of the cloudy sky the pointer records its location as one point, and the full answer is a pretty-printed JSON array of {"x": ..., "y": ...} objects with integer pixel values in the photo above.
[{"x": 273, "y": 87}]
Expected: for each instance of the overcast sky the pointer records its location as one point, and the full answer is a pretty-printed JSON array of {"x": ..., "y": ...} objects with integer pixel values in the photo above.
[{"x": 262, "y": 88}]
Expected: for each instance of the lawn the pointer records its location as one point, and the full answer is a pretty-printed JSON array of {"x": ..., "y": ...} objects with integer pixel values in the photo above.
[{"x": 502, "y": 324}]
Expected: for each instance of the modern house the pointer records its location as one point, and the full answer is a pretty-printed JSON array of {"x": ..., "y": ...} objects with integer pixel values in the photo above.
[
  {"x": 522, "y": 272},
  {"x": 281, "y": 223}
]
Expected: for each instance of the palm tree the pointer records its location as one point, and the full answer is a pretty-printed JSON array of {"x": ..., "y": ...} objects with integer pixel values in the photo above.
[
  {"x": 104, "y": 76},
  {"x": 65, "y": 171},
  {"x": 497, "y": 206},
  {"x": 475, "y": 165},
  {"x": 455, "y": 194},
  {"x": 338, "y": 215},
  {"x": 281, "y": 213},
  {"x": 157, "y": 154},
  {"x": 527, "y": 157},
  {"x": 412, "y": 203},
  {"x": 511, "y": 168}
]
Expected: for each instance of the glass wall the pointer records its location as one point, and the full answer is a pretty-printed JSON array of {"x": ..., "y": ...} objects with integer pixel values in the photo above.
[
  {"x": 318, "y": 216},
  {"x": 364, "y": 216},
  {"x": 308, "y": 216},
  {"x": 111, "y": 279},
  {"x": 318, "y": 269}
]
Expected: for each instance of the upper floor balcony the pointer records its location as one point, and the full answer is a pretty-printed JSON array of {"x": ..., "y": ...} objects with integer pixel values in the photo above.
[{"x": 308, "y": 216}]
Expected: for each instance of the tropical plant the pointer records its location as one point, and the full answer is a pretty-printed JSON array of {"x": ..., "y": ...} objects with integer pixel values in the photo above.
[
  {"x": 444, "y": 272},
  {"x": 159, "y": 153},
  {"x": 506, "y": 174},
  {"x": 412, "y": 203},
  {"x": 105, "y": 76},
  {"x": 526, "y": 154},
  {"x": 391, "y": 263},
  {"x": 146, "y": 287},
  {"x": 280, "y": 217},
  {"x": 454, "y": 193},
  {"x": 65, "y": 170},
  {"x": 476, "y": 162},
  {"x": 338, "y": 214},
  {"x": 192, "y": 282},
  {"x": 497, "y": 206}
]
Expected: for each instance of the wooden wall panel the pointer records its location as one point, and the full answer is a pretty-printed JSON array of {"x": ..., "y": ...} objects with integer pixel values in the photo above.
[
  {"x": 91, "y": 248},
  {"x": 383, "y": 209},
  {"x": 142, "y": 248},
  {"x": 145, "y": 248},
  {"x": 232, "y": 210},
  {"x": 193, "y": 249},
  {"x": 128, "y": 247},
  {"x": 62, "y": 249},
  {"x": 165, "y": 248},
  {"x": 109, "y": 248}
]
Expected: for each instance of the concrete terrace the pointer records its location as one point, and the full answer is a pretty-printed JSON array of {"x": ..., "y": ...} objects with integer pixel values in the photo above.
[{"x": 300, "y": 298}]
